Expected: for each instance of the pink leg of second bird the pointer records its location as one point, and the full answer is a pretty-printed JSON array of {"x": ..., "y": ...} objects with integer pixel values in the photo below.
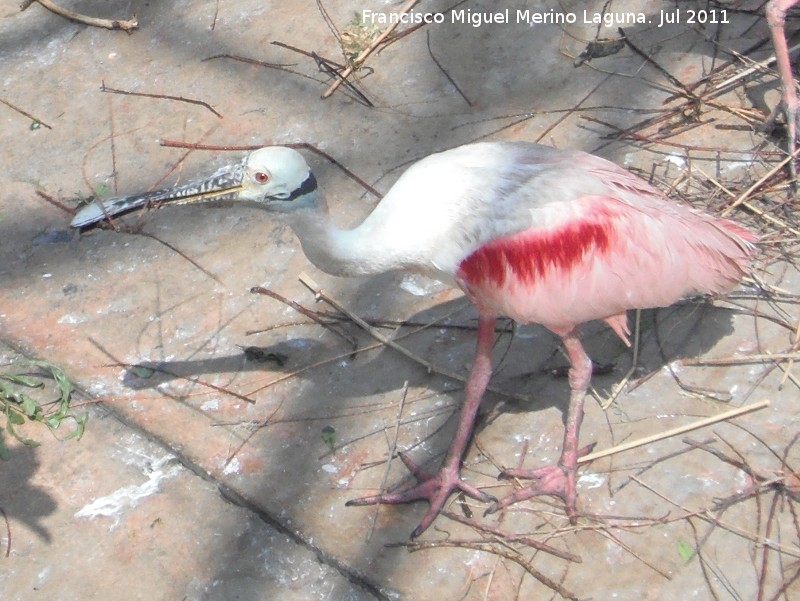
[
  {"x": 437, "y": 488},
  {"x": 560, "y": 480},
  {"x": 776, "y": 17}
]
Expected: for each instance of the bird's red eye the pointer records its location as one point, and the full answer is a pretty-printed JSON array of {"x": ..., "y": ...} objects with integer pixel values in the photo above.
[{"x": 261, "y": 177}]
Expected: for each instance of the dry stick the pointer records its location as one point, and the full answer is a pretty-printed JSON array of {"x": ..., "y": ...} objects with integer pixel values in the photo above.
[
  {"x": 494, "y": 550},
  {"x": 760, "y": 66},
  {"x": 744, "y": 360},
  {"x": 21, "y": 112},
  {"x": 703, "y": 514},
  {"x": 128, "y": 25},
  {"x": 626, "y": 446},
  {"x": 55, "y": 202},
  {"x": 112, "y": 137},
  {"x": 743, "y": 56},
  {"x": 708, "y": 567},
  {"x": 326, "y": 65},
  {"x": 739, "y": 464},
  {"x": 312, "y": 315},
  {"x": 8, "y": 532},
  {"x": 331, "y": 26},
  {"x": 763, "y": 214},
  {"x": 250, "y": 61},
  {"x": 104, "y": 88},
  {"x": 442, "y": 69},
  {"x": 530, "y": 115},
  {"x": 320, "y": 294},
  {"x": 511, "y": 537},
  {"x": 571, "y": 111},
  {"x": 608, "y": 534},
  {"x": 94, "y": 147},
  {"x": 193, "y": 379},
  {"x": 765, "y": 552},
  {"x": 363, "y": 56},
  {"x": 758, "y": 184},
  {"x": 392, "y": 450},
  {"x": 649, "y": 59},
  {"x": 279, "y": 66},
  {"x": 323, "y": 66},
  {"x": 795, "y": 347},
  {"x": 620, "y": 133},
  {"x": 409, "y": 30},
  {"x": 305, "y": 53},
  {"x": 179, "y": 252},
  {"x": 216, "y": 14}
]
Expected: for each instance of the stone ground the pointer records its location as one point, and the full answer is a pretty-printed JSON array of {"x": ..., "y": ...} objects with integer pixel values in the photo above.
[{"x": 211, "y": 473}]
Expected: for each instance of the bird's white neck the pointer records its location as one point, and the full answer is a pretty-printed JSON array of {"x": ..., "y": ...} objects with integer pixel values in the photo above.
[{"x": 337, "y": 251}]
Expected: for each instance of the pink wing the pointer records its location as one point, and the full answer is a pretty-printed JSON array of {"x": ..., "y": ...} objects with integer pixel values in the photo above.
[{"x": 628, "y": 248}]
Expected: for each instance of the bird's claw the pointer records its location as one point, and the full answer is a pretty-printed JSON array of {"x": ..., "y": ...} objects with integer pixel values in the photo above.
[
  {"x": 555, "y": 480},
  {"x": 435, "y": 488}
]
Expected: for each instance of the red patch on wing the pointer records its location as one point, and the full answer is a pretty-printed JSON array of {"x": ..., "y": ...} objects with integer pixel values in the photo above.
[{"x": 529, "y": 255}]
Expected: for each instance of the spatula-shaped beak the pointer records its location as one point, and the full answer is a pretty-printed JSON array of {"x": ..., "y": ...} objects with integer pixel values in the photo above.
[{"x": 225, "y": 184}]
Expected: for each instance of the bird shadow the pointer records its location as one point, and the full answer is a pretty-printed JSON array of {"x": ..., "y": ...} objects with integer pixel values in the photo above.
[{"x": 530, "y": 368}]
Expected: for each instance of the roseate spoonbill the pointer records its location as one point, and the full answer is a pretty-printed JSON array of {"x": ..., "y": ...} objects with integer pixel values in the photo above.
[
  {"x": 776, "y": 18},
  {"x": 540, "y": 235}
]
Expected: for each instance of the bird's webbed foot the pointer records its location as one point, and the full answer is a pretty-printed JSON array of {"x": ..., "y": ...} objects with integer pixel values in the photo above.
[
  {"x": 435, "y": 488},
  {"x": 558, "y": 480}
]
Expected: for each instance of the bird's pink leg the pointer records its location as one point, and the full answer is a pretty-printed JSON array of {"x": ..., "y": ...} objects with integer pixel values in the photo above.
[
  {"x": 560, "y": 480},
  {"x": 437, "y": 488},
  {"x": 776, "y": 17}
]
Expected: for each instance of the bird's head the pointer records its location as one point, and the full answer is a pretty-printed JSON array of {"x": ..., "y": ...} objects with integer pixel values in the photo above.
[{"x": 276, "y": 177}]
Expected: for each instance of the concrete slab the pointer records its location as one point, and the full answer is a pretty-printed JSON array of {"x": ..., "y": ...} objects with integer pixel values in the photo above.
[
  {"x": 118, "y": 516},
  {"x": 252, "y": 505}
]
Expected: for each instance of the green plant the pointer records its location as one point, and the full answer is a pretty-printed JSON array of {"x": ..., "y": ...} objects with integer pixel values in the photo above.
[{"x": 19, "y": 405}]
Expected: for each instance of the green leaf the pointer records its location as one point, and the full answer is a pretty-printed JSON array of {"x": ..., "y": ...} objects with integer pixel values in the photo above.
[
  {"x": 80, "y": 426},
  {"x": 140, "y": 371},
  {"x": 685, "y": 550},
  {"x": 64, "y": 385},
  {"x": 4, "y": 452},
  {"x": 26, "y": 441},
  {"x": 15, "y": 418},
  {"x": 329, "y": 436},
  {"x": 23, "y": 380},
  {"x": 29, "y": 406},
  {"x": 54, "y": 421}
]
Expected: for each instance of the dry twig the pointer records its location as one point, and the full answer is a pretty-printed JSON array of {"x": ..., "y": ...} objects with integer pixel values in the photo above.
[
  {"x": 320, "y": 294},
  {"x": 125, "y": 25},
  {"x": 504, "y": 552},
  {"x": 8, "y": 532},
  {"x": 25, "y": 113},
  {"x": 359, "y": 60},
  {"x": 104, "y": 88},
  {"x": 725, "y": 415}
]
